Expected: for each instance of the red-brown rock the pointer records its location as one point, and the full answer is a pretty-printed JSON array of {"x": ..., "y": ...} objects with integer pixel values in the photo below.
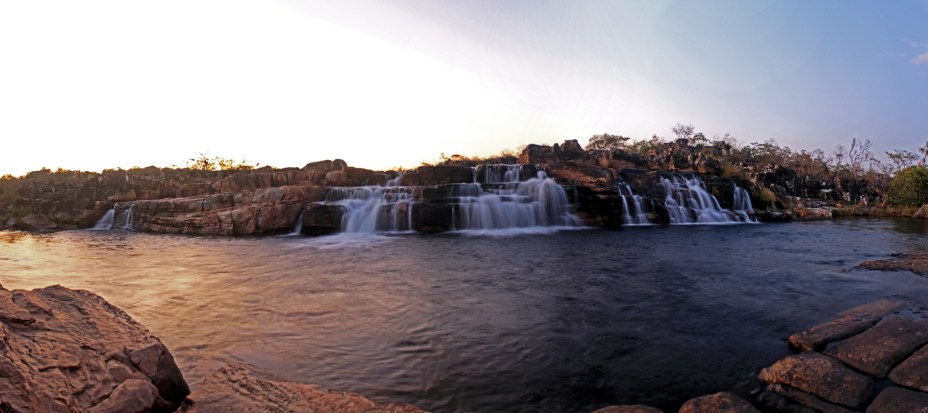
[
  {"x": 896, "y": 400},
  {"x": 821, "y": 376},
  {"x": 69, "y": 350},
  {"x": 876, "y": 350},
  {"x": 723, "y": 402},
  {"x": 913, "y": 372},
  {"x": 242, "y": 388}
]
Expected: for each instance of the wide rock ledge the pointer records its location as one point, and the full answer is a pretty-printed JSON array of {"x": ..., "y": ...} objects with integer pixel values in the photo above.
[{"x": 68, "y": 350}]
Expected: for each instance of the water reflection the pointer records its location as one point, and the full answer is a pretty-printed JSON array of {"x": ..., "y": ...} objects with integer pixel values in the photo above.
[{"x": 546, "y": 322}]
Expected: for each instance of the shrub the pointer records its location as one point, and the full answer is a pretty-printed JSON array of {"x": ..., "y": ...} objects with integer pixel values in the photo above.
[{"x": 910, "y": 187}]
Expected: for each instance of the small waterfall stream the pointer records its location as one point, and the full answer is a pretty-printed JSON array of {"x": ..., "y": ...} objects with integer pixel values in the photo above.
[
  {"x": 640, "y": 217},
  {"x": 370, "y": 209},
  {"x": 106, "y": 222},
  {"x": 742, "y": 204},
  {"x": 688, "y": 202}
]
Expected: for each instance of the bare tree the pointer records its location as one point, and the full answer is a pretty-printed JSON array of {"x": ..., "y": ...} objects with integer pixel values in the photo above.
[
  {"x": 901, "y": 159},
  {"x": 683, "y": 131}
]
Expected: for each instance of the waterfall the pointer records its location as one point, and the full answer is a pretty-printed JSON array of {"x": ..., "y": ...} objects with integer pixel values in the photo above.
[
  {"x": 107, "y": 221},
  {"x": 640, "y": 217},
  {"x": 688, "y": 202},
  {"x": 129, "y": 213},
  {"x": 537, "y": 202},
  {"x": 298, "y": 228},
  {"x": 370, "y": 209},
  {"x": 503, "y": 174},
  {"x": 742, "y": 204}
]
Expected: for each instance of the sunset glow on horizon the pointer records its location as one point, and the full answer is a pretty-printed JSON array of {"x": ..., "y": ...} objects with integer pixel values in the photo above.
[{"x": 106, "y": 84}]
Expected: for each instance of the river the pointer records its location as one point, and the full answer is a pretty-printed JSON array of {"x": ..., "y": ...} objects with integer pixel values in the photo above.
[{"x": 554, "y": 322}]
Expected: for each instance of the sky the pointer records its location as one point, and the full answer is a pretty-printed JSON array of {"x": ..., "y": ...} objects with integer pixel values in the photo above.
[{"x": 382, "y": 84}]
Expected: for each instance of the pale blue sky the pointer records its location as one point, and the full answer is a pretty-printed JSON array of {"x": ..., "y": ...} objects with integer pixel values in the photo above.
[{"x": 88, "y": 85}]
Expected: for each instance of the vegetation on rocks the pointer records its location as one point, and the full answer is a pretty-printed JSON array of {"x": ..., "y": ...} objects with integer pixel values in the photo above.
[{"x": 910, "y": 187}]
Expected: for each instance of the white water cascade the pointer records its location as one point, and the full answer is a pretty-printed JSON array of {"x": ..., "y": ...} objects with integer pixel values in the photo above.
[
  {"x": 370, "y": 209},
  {"x": 640, "y": 217},
  {"x": 107, "y": 221},
  {"x": 129, "y": 213},
  {"x": 508, "y": 203},
  {"x": 742, "y": 204},
  {"x": 688, "y": 202}
]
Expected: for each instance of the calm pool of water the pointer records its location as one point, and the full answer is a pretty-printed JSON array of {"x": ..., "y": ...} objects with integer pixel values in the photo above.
[{"x": 569, "y": 321}]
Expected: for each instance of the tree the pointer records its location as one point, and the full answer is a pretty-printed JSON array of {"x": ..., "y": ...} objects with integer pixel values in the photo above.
[
  {"x": 924, "y": 151},
  {"x": 901, "y": 159},
  {"x": 606, "y": 142},
  {"x": 205, "y": 163},
  {"x": 683, "y": 131},
  {"x": 910, "y": 187}
]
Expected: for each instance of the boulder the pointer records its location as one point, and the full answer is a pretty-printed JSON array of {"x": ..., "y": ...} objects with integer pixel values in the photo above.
[
  {"x": 891, "y": 340},
  {"x": 821, "y": 376},
  {"x": 69, "y": 350},
  {"x": 915, "y": 262},
  {"x": 326, "y": 165},
  {"x": 244, "y": 388},
  {"x": 816, "y": 338},
  {"x": 336, "y": 178},
  {"x": 913, "y": 372},
  {"x": 922, "y": 212},
  {"x": 897, "y": 400},
  {"x": 723, "y": 402},
  {"x": 34, "y": 222}
]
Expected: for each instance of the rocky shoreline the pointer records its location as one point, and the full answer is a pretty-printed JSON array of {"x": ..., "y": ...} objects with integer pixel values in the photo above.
[{"x": 70, "y": 351}]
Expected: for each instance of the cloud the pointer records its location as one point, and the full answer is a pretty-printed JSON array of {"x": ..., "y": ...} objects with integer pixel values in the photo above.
[{"x": 922, "y": 58}]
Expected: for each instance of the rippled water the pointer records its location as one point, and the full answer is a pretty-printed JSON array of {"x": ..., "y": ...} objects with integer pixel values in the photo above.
[{"x": 568, "y": 321}]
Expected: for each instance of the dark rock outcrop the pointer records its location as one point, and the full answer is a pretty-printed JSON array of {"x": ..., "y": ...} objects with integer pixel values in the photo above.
[
  {"x": 724, "y": 402},
  {"x": 877, "y": 349},
  {"x": 242, "y": 388},
  {"x": 627, "y": 409},
  {"x": 69, "y": 350},
  {"x": 915, "y": 262}
]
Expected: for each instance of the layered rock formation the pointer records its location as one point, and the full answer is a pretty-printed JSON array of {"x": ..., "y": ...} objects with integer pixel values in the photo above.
[
  {"x": 69, "y": 350},
  {"x": 267, "y": 200}
]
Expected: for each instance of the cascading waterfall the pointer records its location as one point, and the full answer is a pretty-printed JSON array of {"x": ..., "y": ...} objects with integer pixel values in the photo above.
[
  {"x": 107, "y": 221},
  {"x": 129, "y": 213},
  {"x": 503, "y": 174},
  {"x": 640, "y": 217},
  {"x": 370, "y": 209},
  {"x": 742, "y": 204},
  {"x": 688, "y": 202},
  {"x": 509, "y": 203}
]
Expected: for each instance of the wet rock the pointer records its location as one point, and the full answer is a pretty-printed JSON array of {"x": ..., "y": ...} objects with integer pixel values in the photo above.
[
  {"x": 321, "y": 219},
  {"x": 896, "y": 400},
  {"x": 627, "y": 409},
  {"x": 34, "y": 222},
  {"x": 913, "y": 372},
  {"x": 784, "y": 396},
  {"x": 70, "y": 350},
  {"x": 817, "y": 337},
  {"x": 723, "y": 402},
  {"x": 876, "y": 350},
  {"x": 242, "y": 388},
  {"x": 813, "y": 214},
  {"x": 915, "y": 262},
  {"x": 821, "y": 376},
  {"x": 430, "y": 218}
]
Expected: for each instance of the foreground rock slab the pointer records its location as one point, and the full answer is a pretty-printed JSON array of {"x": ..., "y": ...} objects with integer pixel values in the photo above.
[
  {"x": 861, "y": 350},
  {"x": 65, "y": 350},
  {"x": 637, "y": 408},
  {"x": 915, "y": 262},
  {"x": 243, "y": 388}
]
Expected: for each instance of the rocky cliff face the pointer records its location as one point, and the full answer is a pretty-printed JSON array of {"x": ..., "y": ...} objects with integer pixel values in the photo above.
[{"x": 604, "y": 187}]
